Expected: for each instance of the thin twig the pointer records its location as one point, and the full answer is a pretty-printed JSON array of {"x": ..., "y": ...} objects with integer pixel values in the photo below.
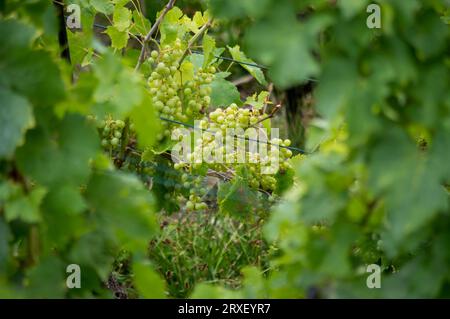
[
  {"x": 243, "y": 80},
  {"x": 269, "y": 116},
  {"x": 149, "y": 35}
]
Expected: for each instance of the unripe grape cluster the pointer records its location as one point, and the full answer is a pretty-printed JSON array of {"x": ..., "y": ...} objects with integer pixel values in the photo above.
[
  {"x": 196, "y": 192},
  {"x": 234, "y": 117},
  {"x": 231, "y": 118},
  {"x": 163, "y": 84},
  {"x": 186, "y": 99},
  {"x": 112, "y": 131},
  {"x": 173, "y": 98},
  {"x": 197, "y": 92}
]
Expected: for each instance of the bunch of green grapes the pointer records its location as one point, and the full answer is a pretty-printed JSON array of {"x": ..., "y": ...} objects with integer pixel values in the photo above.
[
  {"x": 196, "y": 191},
  {"x": 197, "y": 92},
  {"x": 164, "y": 85},
  {"x": 276, "y": 151},
  {"x": 173, "y": 98},
  {"x": 111, "y": 131},
  {"x": 234, "y": 117},
  {"x": 260, "y": 174}
]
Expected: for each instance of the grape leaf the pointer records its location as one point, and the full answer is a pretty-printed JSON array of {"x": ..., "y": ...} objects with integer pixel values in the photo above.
[
  {"x": 396, "y": 165},
  {"x": 118, "y": 86},
  {"x": 147, "y": 281},
  {"x": 93, "y": 249},
  {"x": 172, "y": 27},
  {"x": 256, "y": 72},
  {"x": 47, "y": 280},
  {"x": 236, "y": 198},
  {"x": 25, "y": 207},
  {"x": 16, "y": 116},
  {"x": 124, "y": 205},
  {"x": 209, "y": 45},
  {"x": 258, "y": 101},
  {"x": 240, "y": 9},
  {"x": 102, "y": 6},
  {"x": 224, "y": 93},
  {"x": 282, "y": 43},
  {"x": 5, "y": 236},
  {"x": 16, "y": 35},
  {"x": 146, "y": 123},
  {"x": 141, "y": 24},
  {"x": 119, "y": 39},
  {"x": 121, "y": 18},
  {"x": 61, "y": 156}
]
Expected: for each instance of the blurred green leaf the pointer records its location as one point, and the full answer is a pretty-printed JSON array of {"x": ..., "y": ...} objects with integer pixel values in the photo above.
[
  {"x": 60, "y": 156},
  {"x": 147, "y": 281},
  {"x": 16, "y": 116}
]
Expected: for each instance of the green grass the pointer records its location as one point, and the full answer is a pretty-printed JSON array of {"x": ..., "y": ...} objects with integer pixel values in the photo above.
[{"x": 206, "y": 247}]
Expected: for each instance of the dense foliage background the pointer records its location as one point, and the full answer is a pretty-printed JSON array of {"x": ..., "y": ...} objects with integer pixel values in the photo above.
[{"x": 85, "y": 176}]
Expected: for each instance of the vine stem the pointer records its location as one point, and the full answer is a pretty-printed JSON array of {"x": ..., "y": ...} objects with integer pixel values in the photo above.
[
  {"x": 272, "y": 113},
  {"x": 149, "y": 35}
]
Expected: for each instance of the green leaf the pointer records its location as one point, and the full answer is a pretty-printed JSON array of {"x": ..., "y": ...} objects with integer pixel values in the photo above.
[
  {"x": 33, "y": 74},
  {"x": 121, "y": 18},
  {"x": 239, "y": 9},
  {"x": 146, "y": 123},
  {"x": 67, "y": 199},
  {"x": 5, "y": 236},
  {"x": 78, "y": 44},
  {"x": 284, "y": 45},
  {"x": 338, "y": 81},
  {"x": 141, "y": 24},
  {"x": 258, "y": 101},
  {"x": 149, "y": 284},
  {"x": 172, "y": 27},
  {"x": 207, "y": 291},
  {"x": 224, "y": 93},
  {"x": 236, "y": 198},
  {"x": 63, "y": 221},
  {"x": 209, "y": 45},
  {"x": 396, "y": 165},
  {"x": 254, "y": 283},
  {"x": 187, "y": 71},
  {"x": 256, "y": 72},
  {"x": 119, "y": 39},
  {"x": 96, "y": 250},
  {"x": 47, "y": 280},
  {"x": 16, "y": 36},
  {"x": 102, "y": 6},
  {"x": 429, "y": 37},
  {"x": 285, "y": 180},
  {"x": 60, "y": 156},
  {"x": 351, "y": 8},
  {"x": 16, "y": 116},
  {"x": 25, "y": 207},
  {"x": 124, "y": 205},
  {"x": 200, "y": 19},
  {"x": 119, "y": 86}
]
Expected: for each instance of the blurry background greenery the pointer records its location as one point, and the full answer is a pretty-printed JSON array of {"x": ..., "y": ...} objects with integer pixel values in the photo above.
[{"x": 371, "y": 105}]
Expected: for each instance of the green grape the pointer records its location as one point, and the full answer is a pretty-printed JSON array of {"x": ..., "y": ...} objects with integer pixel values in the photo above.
[
  {"x": 190, "y": 205},
  {"x": 114, "y": 141},
  {"x": 154, "y": 54}
]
